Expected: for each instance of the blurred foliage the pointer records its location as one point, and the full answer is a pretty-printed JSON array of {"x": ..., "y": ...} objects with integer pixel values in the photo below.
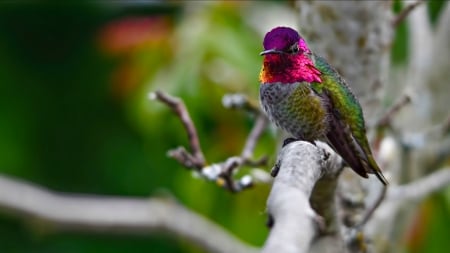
[
  {"x": 74, "y": 81},
  {"x": 76, "y": 118},
  {"x": 400, "y": 46}
]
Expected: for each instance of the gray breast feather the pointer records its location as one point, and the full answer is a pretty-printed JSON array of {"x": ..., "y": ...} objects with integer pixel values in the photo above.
[
  {"x": 276, "y": 92},
  {"x": 287, "y": 105}
]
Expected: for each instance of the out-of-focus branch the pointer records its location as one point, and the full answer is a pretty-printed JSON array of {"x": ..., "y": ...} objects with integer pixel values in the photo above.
[
  {"x": 386, "y": 119},
  {"x": 240, "y": 101},
  {"x": 421, "y": 139},
  {"x": 294, "y": 222},
  {"x": 397, "y": 197},
  {"x": 101, "y": 214},
  {"x": 446, "y": 126},
  {"x": 420, "y": 188},
  {"x": 253, "y": 137},
  {"x": 221, "y": 172},
  {"x": 197, "y": 159},
  {"x": 440, "y": 64},
  {"x": 225, "y": 170},
  {"x": 405, "y": 12},
  {"x": 371, "y": 210}
]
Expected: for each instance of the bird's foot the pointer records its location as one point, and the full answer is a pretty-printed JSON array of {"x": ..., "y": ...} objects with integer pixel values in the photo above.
[
  {"x": 289, "y": 140},
  {"x": 275, "y": 169},
  {"x": 270, "y": 221}
]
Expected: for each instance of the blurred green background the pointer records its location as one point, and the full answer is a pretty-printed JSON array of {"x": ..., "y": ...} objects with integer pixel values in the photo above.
[{"x": 74, "y": 113}]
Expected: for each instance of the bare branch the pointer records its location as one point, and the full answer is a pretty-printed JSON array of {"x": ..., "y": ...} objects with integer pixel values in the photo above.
[
  {"x": 421, "y": 139},
  {"x": 421, "y": 188},
  {"x": 371, "y": 210},
  {"x": 253, "y": 137},
  {"x": 405, "y": 12},
  {"x": 446, "y": 126},
  {"x": 232, "y": 163},
  {"x": 225, "y": 170},
  {"x": 386, "y": 119},
  {"x": 101, "y": 214},
  {"x": 179, "y": 108},
  {"x": 183, "y": 157},
  {"x": 301, "y": 165},
  {"x": 241, "y": 101},
  {"x": 222, "y": 173}
]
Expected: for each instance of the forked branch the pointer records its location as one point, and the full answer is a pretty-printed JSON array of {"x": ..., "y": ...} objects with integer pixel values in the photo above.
[
  {"x": 195, "y": 158},
  {"x": 221, "y": 172}
]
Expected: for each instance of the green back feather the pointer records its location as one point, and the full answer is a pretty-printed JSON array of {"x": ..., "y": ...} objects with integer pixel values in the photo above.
[{"x": 345, "y": 104}]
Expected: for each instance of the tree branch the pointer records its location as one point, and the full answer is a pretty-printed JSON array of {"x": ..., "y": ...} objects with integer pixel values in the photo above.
[
  {"x": 386, "y": 119},
  {"x": 300, "y": 166},
  {"x": 68, "y": 212},
  {"x": 197, "y": 159},
  {"x": 405, "y": 12},
  {"x": 241, "y": 101},
  {"x": 253, "y": 137},
  {"x": 420, "y": 188},
  {"x": 371, "y": 210},
  {"x": 222, "y": 172}
]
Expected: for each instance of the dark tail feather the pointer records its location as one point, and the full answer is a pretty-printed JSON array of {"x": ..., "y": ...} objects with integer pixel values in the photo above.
[
  {"x": 375, "y": 169},
  {"x": 342, "y": 141},
  {"x": 344, "y": 148},
  {"x": 352, "y": 154},
  {"x": 381, "y": 177}
]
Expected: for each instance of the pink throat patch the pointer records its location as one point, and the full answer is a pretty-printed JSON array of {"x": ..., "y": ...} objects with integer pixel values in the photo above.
[{"x": 288, "y": 69}]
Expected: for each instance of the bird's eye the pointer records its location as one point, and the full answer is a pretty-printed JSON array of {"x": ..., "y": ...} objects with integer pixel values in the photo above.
[{"x": 294, "y": 49}]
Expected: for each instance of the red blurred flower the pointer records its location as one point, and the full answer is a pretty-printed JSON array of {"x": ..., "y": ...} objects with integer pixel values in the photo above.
[{"x": 130, "y": 33}]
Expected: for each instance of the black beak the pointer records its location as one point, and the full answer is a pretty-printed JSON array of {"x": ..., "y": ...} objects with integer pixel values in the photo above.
[{"x": 271, "y": 51}]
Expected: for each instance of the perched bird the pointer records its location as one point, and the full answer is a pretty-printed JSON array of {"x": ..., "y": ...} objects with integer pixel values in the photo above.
[{"x": 302, "y": 94}]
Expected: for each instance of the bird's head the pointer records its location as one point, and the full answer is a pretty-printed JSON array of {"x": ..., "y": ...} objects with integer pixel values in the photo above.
[
  {"x": 287, "y": 58},
  {"x": 284, "y": 40}
]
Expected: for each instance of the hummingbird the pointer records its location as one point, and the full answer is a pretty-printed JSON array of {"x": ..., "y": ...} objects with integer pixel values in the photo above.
[{"x": 306, "y": 97}]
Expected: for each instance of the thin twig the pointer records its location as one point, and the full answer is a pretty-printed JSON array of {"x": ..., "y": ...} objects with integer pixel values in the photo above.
[
  {"x": 386, "y": 119},
  {"x": 183, "y": 157},
  {"x": 438, "y": 130},
  {"x": 371, "y": 210},
  {"x": 247, "y": 154},
  {"x": 179, "y": 108},
  {"x": 252, "y": 139},
  {"x": 405, "y": 12},
  {"x": 446, "y": 126},
  {"x": 222, "y": 173},
  {"x": 240, "y": 101},
  {"x": 418, "y": 140}
]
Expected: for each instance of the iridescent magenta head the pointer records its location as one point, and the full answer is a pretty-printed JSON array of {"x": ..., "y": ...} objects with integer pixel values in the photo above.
[
  {"x": 287, "y": 58},
  {"x": 284, "y": 40}
]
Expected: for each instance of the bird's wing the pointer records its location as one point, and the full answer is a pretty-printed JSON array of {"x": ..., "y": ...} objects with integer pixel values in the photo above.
[
  {"x": 341, "y": 139},
  {"x": 346, "y": 120}
]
